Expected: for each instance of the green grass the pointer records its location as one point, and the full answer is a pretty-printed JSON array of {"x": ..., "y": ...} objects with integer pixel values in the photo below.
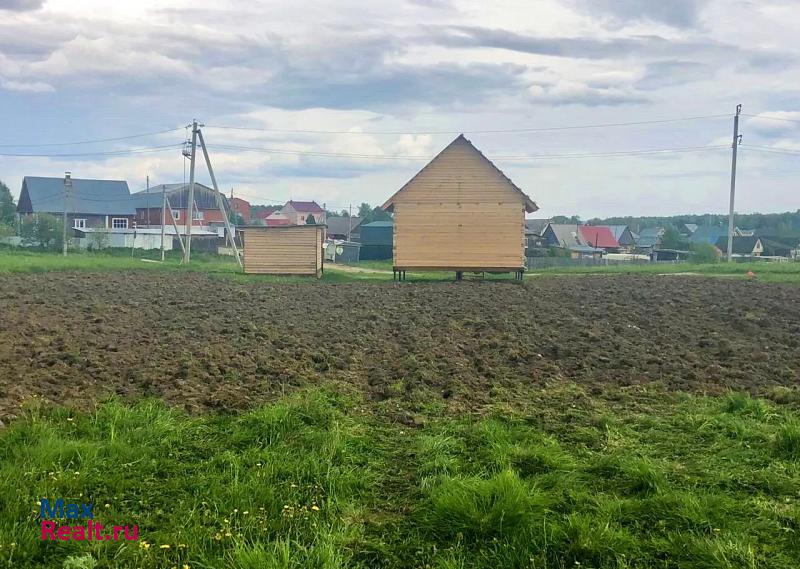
[
  {"x": 27, "y": 260},
  {"x": 318, "y": 479},
  {"x": 764, "y": 271}
]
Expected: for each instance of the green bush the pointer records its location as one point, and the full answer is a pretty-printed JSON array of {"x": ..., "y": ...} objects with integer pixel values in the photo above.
[{"x": 704, "y": 253}]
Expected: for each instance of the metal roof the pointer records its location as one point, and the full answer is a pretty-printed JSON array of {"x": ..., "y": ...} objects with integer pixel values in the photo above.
[
  {"x": 598, "y": 236},
  {"x": 536, "y": 226},
  {"x": 566, "y": 234},
  {"x": 91, "y": 197},
  {"x": 341, "y": 225},
  {"x": 708, "y": 234}
]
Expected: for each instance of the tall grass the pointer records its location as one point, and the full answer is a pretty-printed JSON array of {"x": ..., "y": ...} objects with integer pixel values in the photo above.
[{"x": 313, "y": 480}]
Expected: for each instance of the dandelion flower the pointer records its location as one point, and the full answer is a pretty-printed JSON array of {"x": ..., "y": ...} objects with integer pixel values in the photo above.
[
  {"x": 144, "y": 545},
  {"x": 315, "y": 508},
  {"x": 164, "y": 546}
]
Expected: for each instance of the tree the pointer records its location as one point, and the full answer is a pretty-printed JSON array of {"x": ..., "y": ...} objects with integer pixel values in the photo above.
[
  {"x": 704, "y": 253},
  {"x": 310, "y": 220},
  {"x": 44, "y": 230},
  {"x": 7, "y": 207},
  {"x": 672, "y": 239}
]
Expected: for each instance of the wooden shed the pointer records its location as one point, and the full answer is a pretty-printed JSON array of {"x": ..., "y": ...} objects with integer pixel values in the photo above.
[
  {"x": 283, "y": 250},
  {"x": 460, "y": 213}
]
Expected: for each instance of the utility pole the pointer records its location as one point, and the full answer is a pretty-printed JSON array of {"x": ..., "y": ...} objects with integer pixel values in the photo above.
[
  {"x": 147, "y": 200},
  {"x": 737, "y": 139},
  {"x": 163, "y": 216},
  {"x": 220, "y": 203},
  {"x": 67, "y": 186},
  {"x": 349, "y": 222},
  {"x": 187, "y": 253}
]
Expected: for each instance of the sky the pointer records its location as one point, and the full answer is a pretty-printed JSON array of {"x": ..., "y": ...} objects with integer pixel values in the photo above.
[{"x": 344, "y": 101}]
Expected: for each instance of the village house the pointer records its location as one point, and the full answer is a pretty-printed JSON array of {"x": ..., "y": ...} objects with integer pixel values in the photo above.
[
  {"x": 297, "y": 213},
  {"x": 88, "y": 203},
  {"x": 624, "y": 236},
  {"x": 742, "y": 246},
  {"x": 241, "y": 208},
  {"x": 459, "y": 213},
  {"x": 598, "y": 237},
  {"x": 148, "y": 204}
]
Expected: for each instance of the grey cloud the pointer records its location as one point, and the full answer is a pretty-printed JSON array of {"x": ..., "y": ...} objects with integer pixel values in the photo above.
[
  {"x": 574, "y": 47},
  {"x": 677, "y": 13},
  {"x": 20, "y": 5},
  {"x": 660, "y": 74}
]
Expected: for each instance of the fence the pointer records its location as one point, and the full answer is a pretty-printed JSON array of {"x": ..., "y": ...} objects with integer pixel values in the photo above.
[{"x": 564, "y": 262}]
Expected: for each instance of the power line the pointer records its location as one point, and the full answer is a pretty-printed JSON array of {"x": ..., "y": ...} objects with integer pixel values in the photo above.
[
  {"x": 108, "y": 153},
  {"x": 495, "y": 157},
  {"x": 91, "y": 141},
  {"x": 496, "y": 131},
  {"x": 772, "y": 150},
  {"x": 772, "y": 118}
]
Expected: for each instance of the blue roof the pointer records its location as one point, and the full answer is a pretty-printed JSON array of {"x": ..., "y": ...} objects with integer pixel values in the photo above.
[
  {"x": 379, "y": 224},
  {"x": 94, "y": 197},
  {"x": 708, "y": 234}
]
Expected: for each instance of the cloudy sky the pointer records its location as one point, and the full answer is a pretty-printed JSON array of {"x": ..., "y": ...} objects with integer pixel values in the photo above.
[{"x": 349, "y": 98}]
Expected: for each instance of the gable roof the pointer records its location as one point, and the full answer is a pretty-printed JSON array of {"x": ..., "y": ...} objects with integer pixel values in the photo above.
[
  {"x": 530, "y": 205},
  {"x": 598, "y": 236},
  {"x": 743, "y": 245},
  {"x": 340, "y": 225},
  {"x": 305, "y": 207},
  {"x": 619, "y": 231},
  {"x": 178, "y": 196},
  {"x": 535, "y": 226},
  {"x": 567, "y": 234},
  {"x": 708, "y": 234},
  {"x": 93, "y": 197}
]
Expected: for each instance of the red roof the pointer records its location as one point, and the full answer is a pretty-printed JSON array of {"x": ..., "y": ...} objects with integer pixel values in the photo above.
[
  {"x": 276, "y": 221},
  {"x": 598, "y": 236},
  {"x": 305, "y": 207}
]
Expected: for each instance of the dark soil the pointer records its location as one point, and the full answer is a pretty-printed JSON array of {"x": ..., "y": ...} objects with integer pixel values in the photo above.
[{"x": 204, "y": 343}]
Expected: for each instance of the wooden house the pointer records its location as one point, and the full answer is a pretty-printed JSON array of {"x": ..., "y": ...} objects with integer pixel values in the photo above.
[
  {"x": 89, "y": 203},
  {"x": 283, "y": 250},
  {"x": 459, "y": 213}
]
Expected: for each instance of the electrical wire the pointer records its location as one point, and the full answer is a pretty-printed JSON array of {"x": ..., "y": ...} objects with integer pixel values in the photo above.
[
  {"x": 494, "y": 157},
  {"x": 497, "y": 131},
  {"x": 771, "y": 118},
  {"x": 91, "y": 141},
  {"x": 108, "y": 153},
  {"x": 772, "y": 149}
]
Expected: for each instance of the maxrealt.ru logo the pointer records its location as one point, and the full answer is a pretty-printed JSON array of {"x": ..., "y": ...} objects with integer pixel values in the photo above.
[{"x": 91, "y": 531}]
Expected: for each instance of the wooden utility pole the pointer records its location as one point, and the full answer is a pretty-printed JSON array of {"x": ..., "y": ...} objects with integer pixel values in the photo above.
[
  {"x": 67, "y": 186},
  {"x": 220, "y": 203},
  {"x": 163, "y": 216},
  {"x": 737, "y": 139},
  {"x": 187, "y": 250}
]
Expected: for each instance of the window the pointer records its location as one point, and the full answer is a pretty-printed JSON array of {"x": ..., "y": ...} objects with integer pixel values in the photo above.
[
  {"x": 197, "y": 215},
  {"x": 176, "y": 215},
  {"x": 119, "y": 223},
  {"x": 79, "y": 223}
]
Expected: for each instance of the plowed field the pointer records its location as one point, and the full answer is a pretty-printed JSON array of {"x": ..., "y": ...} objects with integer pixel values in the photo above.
[{"x": 205, "y": 343}]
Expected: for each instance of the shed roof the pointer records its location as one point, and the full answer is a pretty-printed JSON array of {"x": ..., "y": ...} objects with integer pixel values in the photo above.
[
  {"x": 598, "y": 236},
  {"x": 530, "y": 205},
  {"x": 93, "y": 197},
  {"x": 178, "y": 196}
]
